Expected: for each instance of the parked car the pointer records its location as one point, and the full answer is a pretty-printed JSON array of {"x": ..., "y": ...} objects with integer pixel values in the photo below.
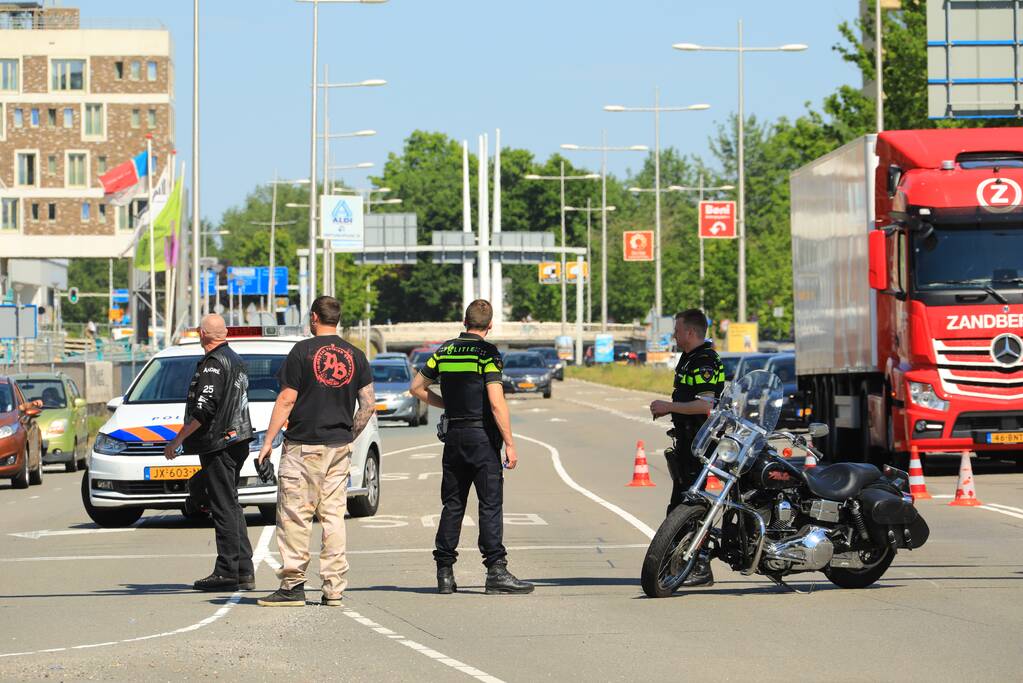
[
  {"x": 623, "y": 355},
  {"x": 128, "y": 474},
  {"x": 526, "y": 372},
  {"x": 64, "y": 421},
  {"x": 750, "y": 362},
  {"x": 21, "y": 442},
  {"x": 731, "y": 362},
  {"x": 392, "y": 378},
  {"x": 420, "y": 355},
  {"x": 794, "y": 412},
  {"x": 554, "y": 362},
  {"x": 390, "y": 355}
]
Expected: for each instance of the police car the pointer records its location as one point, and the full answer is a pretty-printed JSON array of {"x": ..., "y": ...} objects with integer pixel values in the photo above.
[{"x": 128, "y": 474}]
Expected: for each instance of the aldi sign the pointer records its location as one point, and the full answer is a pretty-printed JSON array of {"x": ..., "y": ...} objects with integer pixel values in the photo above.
[
  {"x": 341, "y": 222},
  {"x": 717, "y": 220}
]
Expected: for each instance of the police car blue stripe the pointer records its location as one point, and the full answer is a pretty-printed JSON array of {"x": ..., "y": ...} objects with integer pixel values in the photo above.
[
  {"x": 166, "y": 432},
  {"x": 125, "y": 435}
]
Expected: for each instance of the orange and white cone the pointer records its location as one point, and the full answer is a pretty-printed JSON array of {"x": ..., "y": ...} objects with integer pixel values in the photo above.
[
  {"x": 917, "y": 484},
  {"x": 641, "y": 470},
  {"x": 713, "y": 483},
  {"x": 965, "y": 493},
  {"x": 810, "y": 460}
]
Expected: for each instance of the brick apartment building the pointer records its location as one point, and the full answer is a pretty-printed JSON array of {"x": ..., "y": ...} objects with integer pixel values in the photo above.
[{"x": 75, "y": 102}]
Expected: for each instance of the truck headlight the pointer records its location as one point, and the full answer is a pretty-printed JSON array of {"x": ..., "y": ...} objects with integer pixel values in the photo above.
[
  {"x": 56, "y": 428},
  {"x": 107, "y": 445},
  {"x": 924, "y": 396}
]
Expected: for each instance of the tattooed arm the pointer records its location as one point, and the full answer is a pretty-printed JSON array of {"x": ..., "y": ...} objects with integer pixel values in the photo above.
[{"x": 367, "y": 406}]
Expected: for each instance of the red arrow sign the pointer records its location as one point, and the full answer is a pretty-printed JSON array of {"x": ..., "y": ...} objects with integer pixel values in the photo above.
[
  {"x": 717, "y": 220},
  {"x": 638, "y": 245}
]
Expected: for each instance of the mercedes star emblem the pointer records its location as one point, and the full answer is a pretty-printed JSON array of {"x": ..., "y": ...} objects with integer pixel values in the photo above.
[{"x": 1007, "y": 349}]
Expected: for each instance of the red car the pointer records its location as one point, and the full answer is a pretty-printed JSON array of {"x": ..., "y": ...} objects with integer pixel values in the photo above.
[{"x": 21, "y": 444}]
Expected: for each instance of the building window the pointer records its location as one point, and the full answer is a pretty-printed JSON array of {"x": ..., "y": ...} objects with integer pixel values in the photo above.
[
  {"x": 94, "y": 120},
  {"x": 8, "y": 214},
  {"x": 136, "y": 118},
  {"x": 69, "y": 118},
  {"x": 77, "y": 163},
  {"x": 35, "y": 211},
  {"x": 102, "y": 213},
  {"x": 26, "y": 168},
  {"x": 119, "y": 71},
  {"x": 150, "y": 71},
  {"x": 34, "y": 117},
  {"x": 151, "y": 119},
  {"x": 67, "y": 74},
  {"x": 101, "y": 165},
  {"x": 86, "y": 210},
  {"x": 19, "y": 118},
  {"x": 136, "y": 70},
  {"x": 51, "y": 118},
  {"x": 9, "y": 75},
  {"x": 121, "y": 217},
  {"x": 51, "y": 212},
  {"x": 51, "y": 164}
]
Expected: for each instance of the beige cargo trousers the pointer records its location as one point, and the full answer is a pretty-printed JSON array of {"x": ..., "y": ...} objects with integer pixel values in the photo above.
[{"x": 313, "y": 479}]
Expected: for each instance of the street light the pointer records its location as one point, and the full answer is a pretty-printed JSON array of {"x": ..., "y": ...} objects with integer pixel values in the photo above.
[
  {"x": 603, "y": 148},
  {"x": 561, "y": 178},
  {"x": 273, "y": 232},
  {"x": 589, "y": 259},
  {"x": 348, "y": 167},
  {"x": 657, "y": 109},
  {"x": 312, "y": 126},
  {"x": 741, "y": 50},
  {"x": 355, "y": 134}
]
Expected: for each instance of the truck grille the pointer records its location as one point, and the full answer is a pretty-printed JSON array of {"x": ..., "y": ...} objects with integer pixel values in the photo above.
[
  {"x": 968, "y": 423},
  {"x": 965, "y": 367}
]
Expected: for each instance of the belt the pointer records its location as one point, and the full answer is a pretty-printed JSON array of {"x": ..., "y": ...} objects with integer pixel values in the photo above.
[{"x": 465, "y": 423}]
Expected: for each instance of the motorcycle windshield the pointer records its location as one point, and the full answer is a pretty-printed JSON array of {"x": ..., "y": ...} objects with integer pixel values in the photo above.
[{"x": 757, "y": 397}]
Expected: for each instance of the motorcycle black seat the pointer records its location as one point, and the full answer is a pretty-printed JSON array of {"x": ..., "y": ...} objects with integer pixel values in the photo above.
[{"x": 840, "y": 481}]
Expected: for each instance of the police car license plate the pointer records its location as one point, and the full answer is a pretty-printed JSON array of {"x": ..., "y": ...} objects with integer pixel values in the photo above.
[
  {"x": 526, "y": 385},
  {"x": 167, "y": 473},
  {"x": 1005, "y": 437}
]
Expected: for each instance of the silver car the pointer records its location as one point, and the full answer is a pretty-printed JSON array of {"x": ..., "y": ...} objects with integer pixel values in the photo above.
[{"x": 392, "y": 378}]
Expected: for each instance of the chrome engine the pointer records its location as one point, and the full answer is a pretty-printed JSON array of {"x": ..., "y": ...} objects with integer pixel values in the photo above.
[{"x": 810, "y": 550}]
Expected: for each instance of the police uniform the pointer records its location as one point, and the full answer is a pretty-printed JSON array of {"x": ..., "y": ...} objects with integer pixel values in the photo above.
[
  {"x": 472, "y": 447},
  {"x": 699, "y": 372}
]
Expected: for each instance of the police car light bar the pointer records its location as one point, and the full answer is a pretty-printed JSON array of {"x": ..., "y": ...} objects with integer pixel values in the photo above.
[{"x": 262, "y": 331}]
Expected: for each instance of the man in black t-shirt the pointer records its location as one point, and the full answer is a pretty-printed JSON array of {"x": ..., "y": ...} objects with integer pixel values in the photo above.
[{"x": 320, "y": 382}]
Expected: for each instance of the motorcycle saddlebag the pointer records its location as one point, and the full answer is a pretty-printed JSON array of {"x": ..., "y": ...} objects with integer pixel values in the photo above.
[{"x": 891, "y": 519}]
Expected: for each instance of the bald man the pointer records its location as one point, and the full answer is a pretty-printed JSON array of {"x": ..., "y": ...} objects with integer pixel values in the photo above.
[{"x": 218, "y": 429}]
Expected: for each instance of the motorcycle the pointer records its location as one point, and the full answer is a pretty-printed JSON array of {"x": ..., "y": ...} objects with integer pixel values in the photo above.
[{"x": 772, "y": 518}]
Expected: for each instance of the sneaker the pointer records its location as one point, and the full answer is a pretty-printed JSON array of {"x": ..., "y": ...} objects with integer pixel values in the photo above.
[
  {"x": 215, "y": 583},
  {"x": 446, "y": 581},
  {"x": 246, "y": 582},
  {"x": 500, "y": 580},
  {"x": 700, "y": 576},
  {"x": 330, "y": 602},
  {"x": 285, "y": 597}
]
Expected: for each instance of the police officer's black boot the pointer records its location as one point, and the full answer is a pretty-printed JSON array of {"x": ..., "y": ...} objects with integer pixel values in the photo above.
[
  {"x": 446, "y": 580},
  {"x": 701, "y": 574},
  {"x": 500, "y": 580}
]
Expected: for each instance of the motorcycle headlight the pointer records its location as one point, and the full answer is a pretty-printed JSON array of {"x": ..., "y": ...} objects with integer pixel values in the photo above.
[
  {"x": 6, "y": 431},
  {"x": 727, "y": 451},
  {"x": 924, "y": 396},
  {"x": 56, "y": 428},
  {"x": 108, "y": 445}
]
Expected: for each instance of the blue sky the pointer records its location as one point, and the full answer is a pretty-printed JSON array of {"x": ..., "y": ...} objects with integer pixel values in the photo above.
[{"x": 541, "y": 70}]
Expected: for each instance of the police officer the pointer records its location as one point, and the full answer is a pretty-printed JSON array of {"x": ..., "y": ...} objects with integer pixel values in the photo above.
[
  {"x": 476, "y": 414},
  {"x": 217, "y": 428},
  {"x": 699, "y": 373}
]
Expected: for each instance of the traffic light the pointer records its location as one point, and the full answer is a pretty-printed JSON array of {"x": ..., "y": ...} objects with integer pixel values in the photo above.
[{"x": 72, "y": 295}]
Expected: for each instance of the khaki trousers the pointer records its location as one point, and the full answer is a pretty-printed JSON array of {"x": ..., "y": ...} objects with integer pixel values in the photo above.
[{"x": 313, "y": 479}]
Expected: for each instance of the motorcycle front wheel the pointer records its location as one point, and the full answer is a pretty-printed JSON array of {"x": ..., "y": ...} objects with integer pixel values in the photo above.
[{"x": 664, "y": 570}]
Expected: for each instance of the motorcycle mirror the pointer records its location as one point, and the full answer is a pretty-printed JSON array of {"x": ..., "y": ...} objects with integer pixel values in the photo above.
[{"x": 818, "y": 430}]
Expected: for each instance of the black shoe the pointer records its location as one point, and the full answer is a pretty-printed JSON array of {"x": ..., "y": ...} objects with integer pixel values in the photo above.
[
  {"x": 446, "y": 581},
  {"x": 215, "y": 583},
  {"x": 246, "y": 582},
  {"x": 331, "y": 602},
  {"x": 500, "y": 580},
  {"x": 700, "y": 576},
  {"x": 285, "y": 597}
]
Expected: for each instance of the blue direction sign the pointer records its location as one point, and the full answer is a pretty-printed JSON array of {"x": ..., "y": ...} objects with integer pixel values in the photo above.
[
  {"x": 120, "y": 296},
  {"x": 255, "y": 280},
  {"x": 209, "y": 283}
]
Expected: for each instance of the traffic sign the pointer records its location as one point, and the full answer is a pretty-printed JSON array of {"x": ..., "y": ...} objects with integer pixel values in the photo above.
[
  {"x": 120, "y": 296},
  {"x": 717, "y": 220},
  {"x": 72, "y": 295},
  {"x": 638, "y": 245},
  {"x": 255, "y": 280},
  {"x": 549, "y": 273},
  {"x": 572, "y": 271}
]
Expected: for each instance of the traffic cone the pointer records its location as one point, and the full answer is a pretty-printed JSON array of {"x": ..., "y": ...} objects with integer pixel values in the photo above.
[
  {"x": 965, "y": 494},
  {"x": 810, "y": 460},
  {"x": 917, "y": 485},
  {"x": 640, "y": 471},
  {"x": 713, "y": 483}
]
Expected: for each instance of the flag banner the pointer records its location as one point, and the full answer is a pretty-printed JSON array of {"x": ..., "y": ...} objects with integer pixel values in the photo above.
[
  {"x": 165, "y": 226},
  {"x": 126, "y": 175},
  {"x": 142, "y": 217}
]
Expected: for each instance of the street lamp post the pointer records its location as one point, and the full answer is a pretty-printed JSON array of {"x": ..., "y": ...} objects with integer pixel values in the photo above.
[
  {"x": 589, "y": 259},
  {"x": 561, "y": 181},
  {"x": 657, "y": 109},
  {"x": 273, "y": 234},
  {"x": 741, "y": 50},
  {"x": 603, "y": 148}
]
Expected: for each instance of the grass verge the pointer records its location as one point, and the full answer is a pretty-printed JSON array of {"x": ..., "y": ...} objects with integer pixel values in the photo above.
[
  {"x": 95, "y": 422},
  {"x": 639, "y": 377}
]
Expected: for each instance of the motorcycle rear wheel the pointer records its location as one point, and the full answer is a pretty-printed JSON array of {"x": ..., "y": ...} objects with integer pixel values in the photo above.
[
  {"x": 664, "y": 570},
  {"x": 873, "y": 570}
]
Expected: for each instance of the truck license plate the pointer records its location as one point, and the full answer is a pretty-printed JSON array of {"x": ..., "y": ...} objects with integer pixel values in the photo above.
[
  {"x": 166, "y": 473},
  {"x": 1005, "y": 437}
]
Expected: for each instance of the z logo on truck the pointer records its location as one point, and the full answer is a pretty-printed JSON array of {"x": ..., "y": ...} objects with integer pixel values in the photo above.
[
  {"x": 999, "y": 195},
  {"x": 1007, "y": 349}
]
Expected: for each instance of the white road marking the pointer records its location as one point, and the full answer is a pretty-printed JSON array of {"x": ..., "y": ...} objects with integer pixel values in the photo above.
[
  {"x": 34, "y": 535},
  {"x": 560, "y": 469},
  {"x": 411, "y": 448},
  {"x": 558, "y": 419},
  {"x": 1009, "y": 513},
  {"x": 422, "y": 456},
  {"x": 259, "y": 555},
  {"x": 36, "y": 497},
  {"x": 626, "y": 416},
  {"x": 422, "y": 649}
]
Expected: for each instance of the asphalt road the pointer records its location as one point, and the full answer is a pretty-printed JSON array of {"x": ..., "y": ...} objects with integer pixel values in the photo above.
[{"x": 77, "y": 603}]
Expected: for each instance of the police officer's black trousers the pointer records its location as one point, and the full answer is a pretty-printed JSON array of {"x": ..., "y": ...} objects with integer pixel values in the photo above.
[
  {"x": 234, "y": 551},
  {"x": 470, "y": 460},
  {"x": 684, "y": 469}
]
